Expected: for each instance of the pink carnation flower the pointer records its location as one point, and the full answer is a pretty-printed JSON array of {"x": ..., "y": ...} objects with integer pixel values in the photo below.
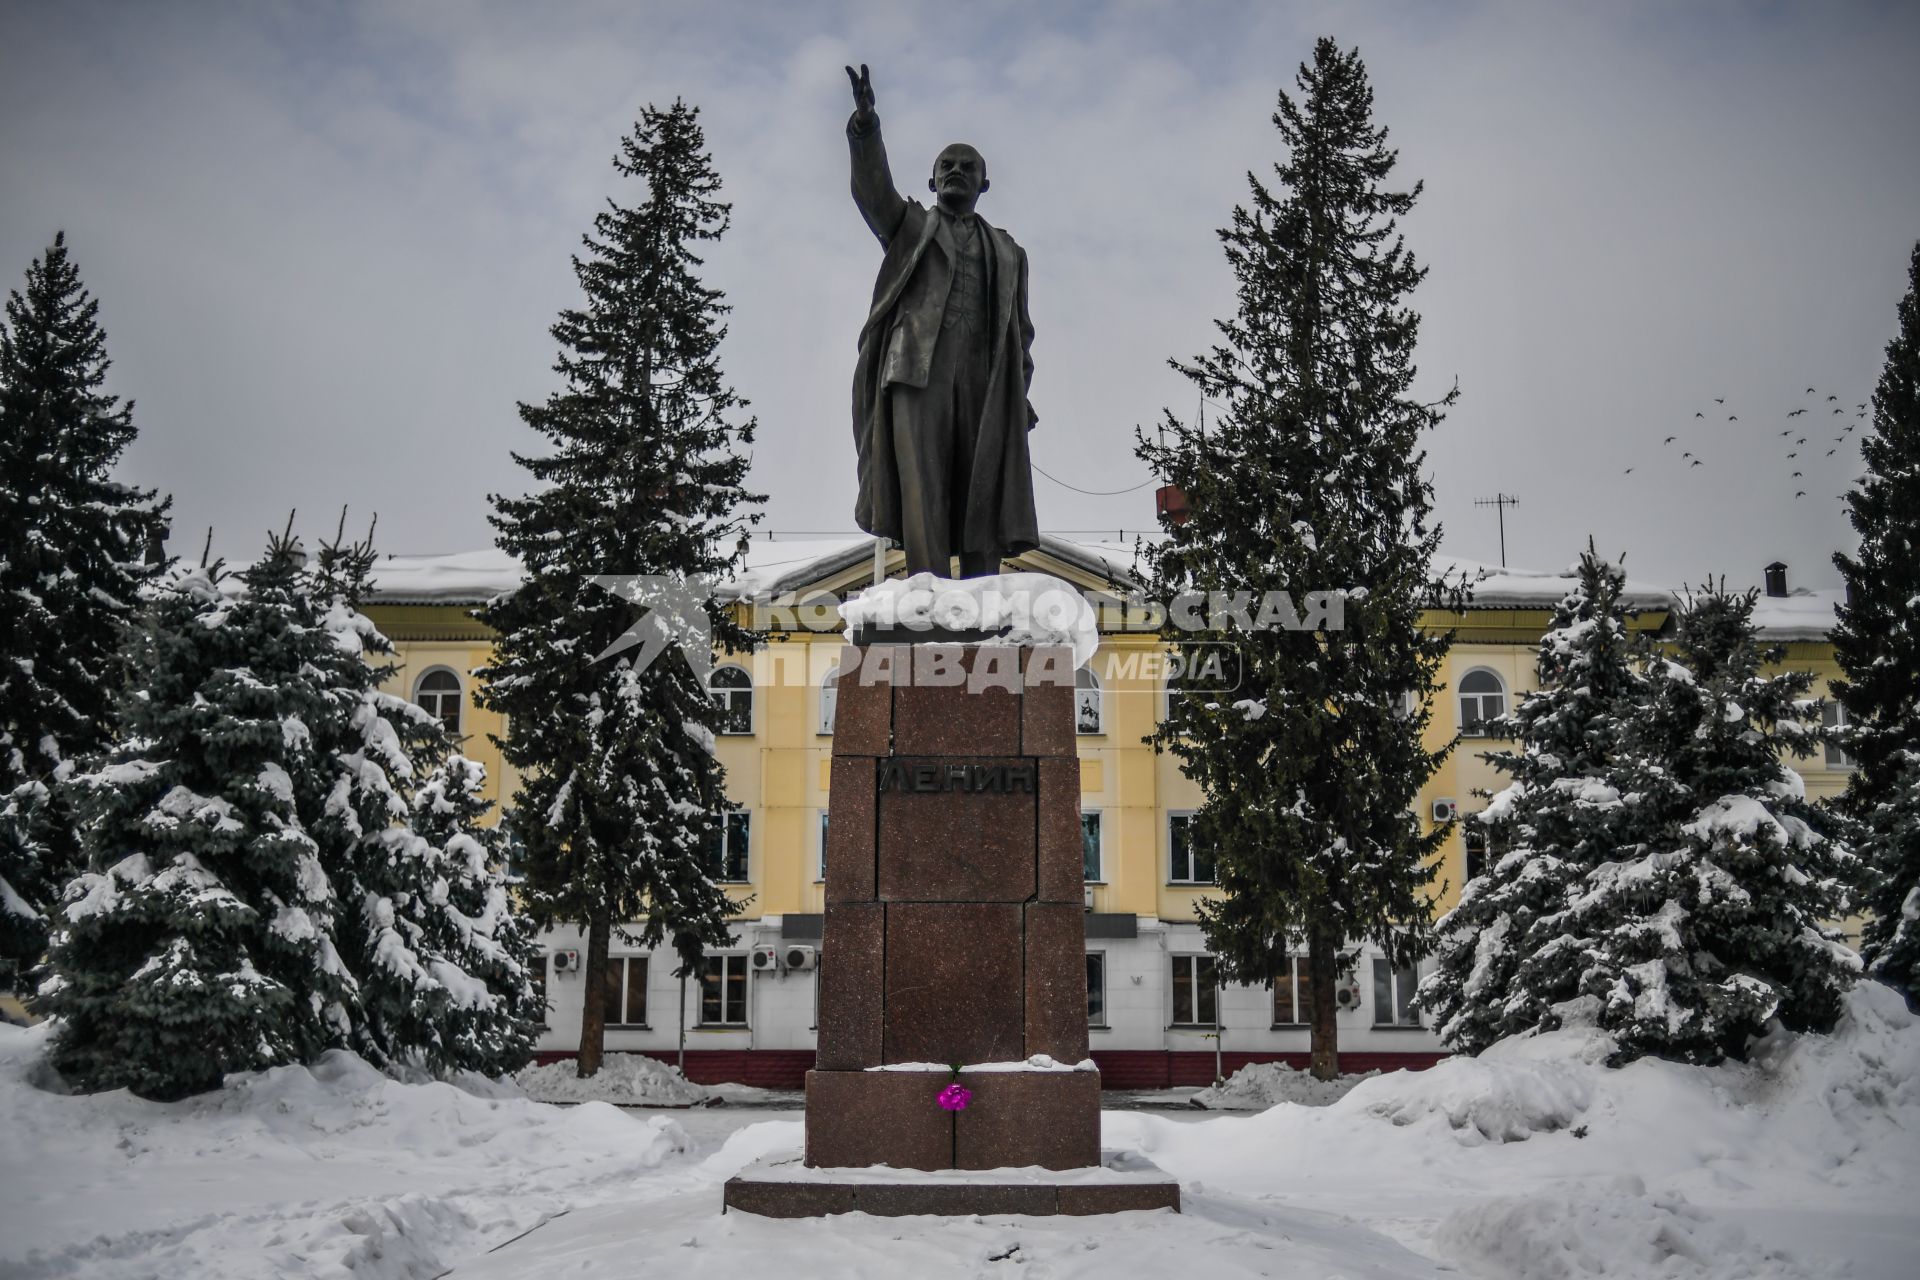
[{"x": 955, "y": 1097}]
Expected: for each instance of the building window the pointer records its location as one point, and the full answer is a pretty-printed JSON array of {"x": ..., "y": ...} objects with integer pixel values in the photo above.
[
  {"x": 821, "y": 860},
  {"x": 1096, "y": 988},
  {"x": 829, "y": 698},
  {"x": 1476, "y": 850},
  {"x": 732, "y": 688},
  {"x": 1834, "y": 715},
  {"x": 1187, "y": 863},
  {"x": 513, "y": 854},
  {"x": 1292, "y": 995},
  {"x": 1393, "y": 995},
  {"x": 1196, "y": 994},
  {"x": 1091, "y": 868},
  {"x": 723, "y": 991},
  {"x": 438, "y": 694},
  {"x": 1483, "y": 699},
  {"x": 626, "y": 980},
  {"x": 727, "y": 848},
  {"x": 1086, "y": 701}
]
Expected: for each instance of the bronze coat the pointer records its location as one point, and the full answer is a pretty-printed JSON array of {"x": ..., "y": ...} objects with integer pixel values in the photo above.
[{"x": 896, "y": 346}]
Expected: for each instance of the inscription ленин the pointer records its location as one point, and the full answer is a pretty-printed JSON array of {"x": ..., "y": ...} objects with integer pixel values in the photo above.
[{"x": 928, "y": 775}]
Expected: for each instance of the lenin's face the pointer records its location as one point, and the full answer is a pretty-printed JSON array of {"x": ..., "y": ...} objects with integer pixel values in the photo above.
[{"x": 959, "y": 177}]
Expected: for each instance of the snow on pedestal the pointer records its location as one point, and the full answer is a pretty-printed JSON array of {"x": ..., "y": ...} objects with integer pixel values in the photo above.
[{"x": 1017, "y": 608}]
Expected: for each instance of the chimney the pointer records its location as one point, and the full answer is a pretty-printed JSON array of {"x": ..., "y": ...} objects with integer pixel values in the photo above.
[{"x": 1776, "y": 579}]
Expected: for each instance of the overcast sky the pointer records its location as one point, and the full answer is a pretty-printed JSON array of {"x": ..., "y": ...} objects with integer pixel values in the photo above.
[{"x": 328, "y": 239}]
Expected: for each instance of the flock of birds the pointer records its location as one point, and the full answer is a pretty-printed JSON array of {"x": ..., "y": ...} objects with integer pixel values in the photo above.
[{"x": 1798, "y": 435}]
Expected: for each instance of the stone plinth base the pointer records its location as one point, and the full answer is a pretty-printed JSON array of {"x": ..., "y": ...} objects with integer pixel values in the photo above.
[
  {"x": 1017, "y": 1118},
  {"x": 783, "y": 1187}
]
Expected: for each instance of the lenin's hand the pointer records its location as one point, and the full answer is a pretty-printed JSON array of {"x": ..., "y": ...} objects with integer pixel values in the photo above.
[{"x": 864, "y": 116}]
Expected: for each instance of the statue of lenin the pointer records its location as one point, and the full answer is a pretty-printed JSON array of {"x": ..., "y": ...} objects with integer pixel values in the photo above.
[{"x": 940, "y": 410}]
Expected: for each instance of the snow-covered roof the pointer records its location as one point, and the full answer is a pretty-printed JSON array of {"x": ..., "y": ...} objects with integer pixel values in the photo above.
[
  {"x": 1798, "y": 615},
  {"x": 776, "y": 565},
  {"x": 1497, "y": 587}
]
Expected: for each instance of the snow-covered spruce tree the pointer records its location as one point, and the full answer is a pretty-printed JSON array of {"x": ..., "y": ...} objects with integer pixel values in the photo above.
[
  {"x": 1717, "y": 922},
  {"x": 1503, "y": 964},
  {"x": 1310, "y": 479},
  {"x": 202, "y": 940},
  {"x": 620, "y": 794},
  {"x": 1877, "y": 644},
  {"x": 445, "y": 962},
  {"x": 74, "y": 546},
  {"x": 424, "y": 923}
]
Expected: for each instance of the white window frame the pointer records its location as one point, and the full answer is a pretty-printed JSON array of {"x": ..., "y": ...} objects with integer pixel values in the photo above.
[
  {"x": 459, "y": 727},
  {"x": 1302, "y": 1008},
  {"x": 1100, "y": 844},
  {"x": 726, "y": 698},
  {"x": 1101, "y": 958},
  {"x": 820, "y": 851},
  {"x": 1174, "y": 815},
  {"x": 1833, "y": 715},
  {"x": 615, "y": 1018},
  {"x": 1476, "y": 728},
  {"x": 1192, "y": 959},
  {"x": 1397, "y": 999},
  {"x": 727, "y": 960},
  {"x": 829, "y": 700},
  {"x": 1469, "y": 828},
  {"x": 1089, "y": 693},
  {"x": 726, "y": 841}
]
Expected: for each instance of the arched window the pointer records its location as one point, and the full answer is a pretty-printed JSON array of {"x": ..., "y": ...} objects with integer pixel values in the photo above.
[
  {"x": 438, "y": 694},
  {"x": 1483, "y": 698},
  {"x": 1086, "y": 701},
  {"x": 829, "y": 698},
  {"x": 732, "y": 688}
]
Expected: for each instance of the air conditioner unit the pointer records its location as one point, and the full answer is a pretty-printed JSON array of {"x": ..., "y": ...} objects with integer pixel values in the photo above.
[
  {"x": 1346, "y": 992},
  {"x": 800, "y": 956},
  {"x": 566, "y": 962},
  {"x": 765, "y": 959},
  {"x": 1445, "y": 810}
]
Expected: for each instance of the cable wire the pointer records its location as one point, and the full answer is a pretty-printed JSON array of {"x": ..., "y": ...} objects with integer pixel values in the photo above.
[{"x": 1091, "y": 493}]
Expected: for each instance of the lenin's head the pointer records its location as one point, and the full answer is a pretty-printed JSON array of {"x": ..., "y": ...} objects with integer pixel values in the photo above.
[{"x": 959, "y": 178}]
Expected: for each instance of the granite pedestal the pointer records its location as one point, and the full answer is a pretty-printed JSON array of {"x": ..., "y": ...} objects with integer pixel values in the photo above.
[{"x": 954, "y": 934}]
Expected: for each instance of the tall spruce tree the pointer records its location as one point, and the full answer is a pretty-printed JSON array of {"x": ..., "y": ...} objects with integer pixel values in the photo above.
[
  {"x": 1877, "y": 644},
  {"x": 1503, "y": 963},
  {"x": 620, "y": 794},
  {"x": 74, "y": 546},
  {"x": 1310, "y": 478}
]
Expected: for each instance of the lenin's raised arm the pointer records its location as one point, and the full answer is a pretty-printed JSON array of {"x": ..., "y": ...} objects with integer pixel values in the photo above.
[{"x": 873, "y": 190}]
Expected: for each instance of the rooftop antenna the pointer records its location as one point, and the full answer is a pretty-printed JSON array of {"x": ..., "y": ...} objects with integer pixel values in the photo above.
[{"x": 1500, "y": 502}]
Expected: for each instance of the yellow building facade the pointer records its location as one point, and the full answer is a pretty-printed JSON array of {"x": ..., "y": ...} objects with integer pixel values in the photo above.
[{"x": 1155, "y": 1016}]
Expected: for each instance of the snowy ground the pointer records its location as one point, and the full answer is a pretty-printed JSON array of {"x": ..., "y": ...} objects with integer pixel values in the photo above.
[
  {"x": 1259, "y": 1085},
  {"x": 1530, "y": 1161}
]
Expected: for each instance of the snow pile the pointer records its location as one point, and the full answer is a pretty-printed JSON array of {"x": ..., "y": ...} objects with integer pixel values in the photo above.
[
  {"x": 627, "y": 1079},
  {"x": 1799, "y": 1162},
  {"x": 1615, "y": 1229},
  {"x": 333, "y": 1170},
  {"x": 1260, "y": 1085},
  {"x": 1019, "y": 608},
  {"x": 1516, "y": 1089}
]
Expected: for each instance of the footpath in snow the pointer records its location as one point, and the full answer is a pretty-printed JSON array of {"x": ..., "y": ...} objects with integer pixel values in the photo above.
[{"x": 1532, "y": 1161}]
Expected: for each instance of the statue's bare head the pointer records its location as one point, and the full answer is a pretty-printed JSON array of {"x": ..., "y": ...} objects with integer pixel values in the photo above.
[{"x": 959, "y": 177}]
